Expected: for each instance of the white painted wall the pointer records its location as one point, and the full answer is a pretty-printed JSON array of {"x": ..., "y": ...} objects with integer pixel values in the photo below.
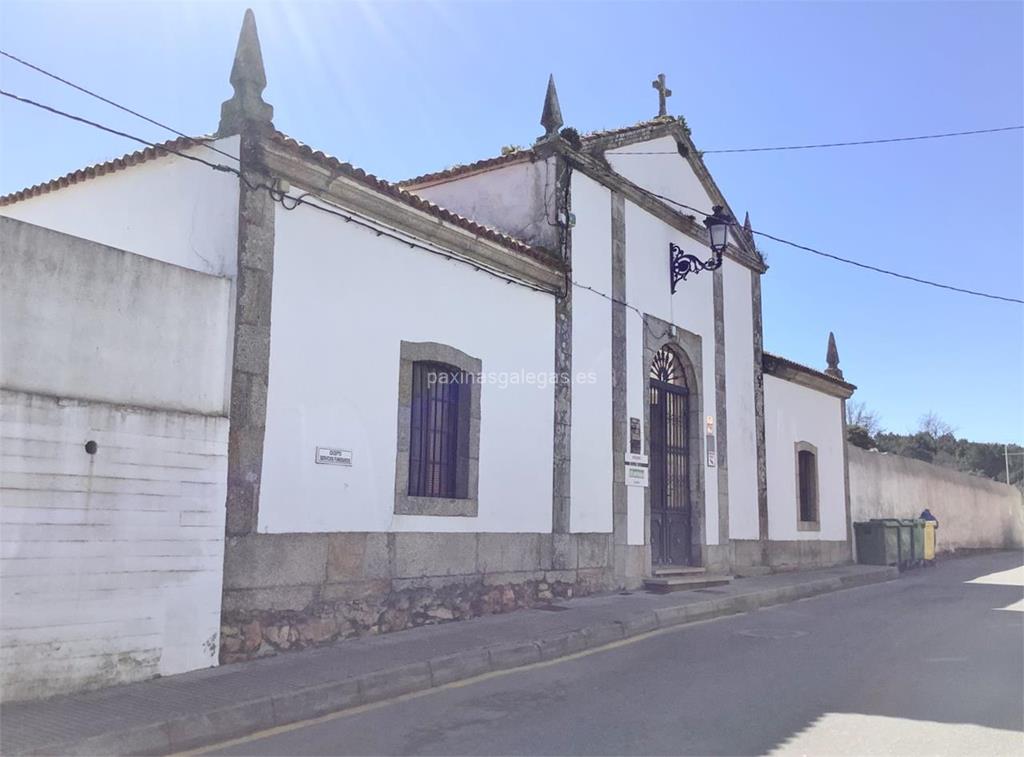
[
  {"x": 669, "y": 175},
  {"x": 741, "y": 436},
  {"x": 111, "y": 563},
  {"x": 636, "y": 401},
  {"x": 795, "y": 413},
  {"x": 517, "y": 199},
  {"x": 78, "y": 319},
  {"x": 691, "y": 308},
  {"x": 591, "y": 470},
  {"x": 973, "y": 512},
  {"x": 343, "y": 301},
  {"x": 168, "y": 208}
]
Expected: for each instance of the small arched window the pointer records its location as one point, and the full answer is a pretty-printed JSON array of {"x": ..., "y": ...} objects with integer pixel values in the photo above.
[{"x": 807, "y": 484}]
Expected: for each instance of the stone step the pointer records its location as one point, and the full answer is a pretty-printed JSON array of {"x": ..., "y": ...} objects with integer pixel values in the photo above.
[
  {"x": 665, "y": 584},
  {"x": 677, "y": 570}
]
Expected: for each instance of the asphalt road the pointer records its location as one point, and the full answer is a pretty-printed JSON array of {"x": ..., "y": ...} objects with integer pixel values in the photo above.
[{"x": 930, "y": 664}]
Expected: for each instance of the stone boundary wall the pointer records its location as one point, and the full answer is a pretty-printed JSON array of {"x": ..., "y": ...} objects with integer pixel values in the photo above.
[
  {"x": 88, "y": 321},
  {"x": 294, "y": 591},
  {"x": 973, "y": 512}
]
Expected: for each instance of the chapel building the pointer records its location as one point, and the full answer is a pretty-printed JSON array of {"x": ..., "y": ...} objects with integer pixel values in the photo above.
[{"x": 354, "y": 406}]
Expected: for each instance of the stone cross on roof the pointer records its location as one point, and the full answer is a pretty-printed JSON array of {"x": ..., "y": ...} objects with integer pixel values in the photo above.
[{"x": 663, "y": 93}]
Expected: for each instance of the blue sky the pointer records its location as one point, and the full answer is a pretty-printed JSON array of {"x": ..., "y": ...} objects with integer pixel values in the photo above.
[{"x": 404, "y": 88}]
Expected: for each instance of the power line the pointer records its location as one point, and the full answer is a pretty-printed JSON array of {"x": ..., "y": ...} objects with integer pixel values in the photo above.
[
  {"x": 279, "y": 198},
  {"x": 89, "y": 92},
  {"x": 944, "y": 135},
  {"x": 832, "y": 144},
  {"x": 848, "y": 261},
  {"x": 285, "y": 200},
  {"x": 126, "y": 135}
]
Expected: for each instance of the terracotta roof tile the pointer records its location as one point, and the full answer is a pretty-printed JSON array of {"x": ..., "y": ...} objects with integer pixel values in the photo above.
[
  {"x": 525, "y": 153},
  {"x": 415, "y": 201},
  {"x": 161, "y": 150},
  {"x": 479, "y": 165},
  {"x": 178, "y": 144}
]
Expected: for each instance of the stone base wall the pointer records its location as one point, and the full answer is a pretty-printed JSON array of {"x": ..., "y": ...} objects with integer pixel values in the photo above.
[
  {"x": 295, "y": 591},
  {"x": 799, "y": 554}
]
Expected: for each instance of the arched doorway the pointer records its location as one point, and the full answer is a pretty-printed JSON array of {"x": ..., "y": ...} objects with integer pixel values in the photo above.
[{"x": 671, "y": 502}]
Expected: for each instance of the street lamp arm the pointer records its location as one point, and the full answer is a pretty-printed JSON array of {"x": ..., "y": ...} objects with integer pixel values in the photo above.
[{"x": 682, "y": 263}]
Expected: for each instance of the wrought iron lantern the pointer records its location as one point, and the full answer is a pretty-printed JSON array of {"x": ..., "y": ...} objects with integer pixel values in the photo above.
[{"x": 682, "y": 264}]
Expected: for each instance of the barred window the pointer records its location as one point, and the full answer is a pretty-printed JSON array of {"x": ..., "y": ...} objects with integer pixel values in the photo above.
[
  {"x": 437, "y": 401},
  {"x": 437, "y": 469}
]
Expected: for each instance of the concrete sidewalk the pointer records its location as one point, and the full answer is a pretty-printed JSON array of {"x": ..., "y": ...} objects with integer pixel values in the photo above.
[{"x": 205, "y": 706}]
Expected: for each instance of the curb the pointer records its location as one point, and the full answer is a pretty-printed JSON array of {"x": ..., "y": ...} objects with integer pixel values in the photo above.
[{"x": 197, "y": 730}]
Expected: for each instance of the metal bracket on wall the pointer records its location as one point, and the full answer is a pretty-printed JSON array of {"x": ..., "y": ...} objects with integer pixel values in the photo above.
[{"x": 682, "y": 264}]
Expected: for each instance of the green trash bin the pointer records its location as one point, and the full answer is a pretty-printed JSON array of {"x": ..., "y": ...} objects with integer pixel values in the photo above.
[
  {"x": 916, "y": 526},
  {"x": 878, "y": 542},
  {"x": 905, "y": 541}
]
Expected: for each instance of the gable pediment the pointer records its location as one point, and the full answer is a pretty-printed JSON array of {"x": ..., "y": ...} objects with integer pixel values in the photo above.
[{"x": 659, "y": 158}]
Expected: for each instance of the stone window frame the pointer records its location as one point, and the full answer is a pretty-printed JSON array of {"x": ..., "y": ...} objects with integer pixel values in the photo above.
[
  {"x": 807, "y": 525},
  {"x": 468, "y": 472}
]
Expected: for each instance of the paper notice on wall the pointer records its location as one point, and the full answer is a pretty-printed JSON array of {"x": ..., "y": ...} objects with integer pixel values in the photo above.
[
  {"x": 636, "y": 475},
  {"x": 711, "y": 450}
]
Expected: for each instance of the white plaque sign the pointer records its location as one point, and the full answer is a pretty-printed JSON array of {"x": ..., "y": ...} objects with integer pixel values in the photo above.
[
  {"x": 634, "y": 458},
  {"x": 636, "y": 475},
  {"x": 333, "y": 456}
]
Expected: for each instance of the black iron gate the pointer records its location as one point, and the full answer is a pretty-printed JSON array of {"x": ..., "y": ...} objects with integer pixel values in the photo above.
[{"x": 670, "y": 477}]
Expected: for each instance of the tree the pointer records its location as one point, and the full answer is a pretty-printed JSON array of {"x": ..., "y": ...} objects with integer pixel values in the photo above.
[
  {"x": 931, "y": 424},
  {"x": 857, "y": 414},
  {"x": 858, "y": 436}
]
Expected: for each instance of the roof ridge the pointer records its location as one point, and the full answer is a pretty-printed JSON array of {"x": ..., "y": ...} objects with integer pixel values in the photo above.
[
  {"x": 172, "y": 146},
  {"x": 646, "y": 124},
  {"x": 524, "y": 153},
  {"x": 151, "y": 152},
  {"x": 414, "y": 200},
  {"x": 518, "y": 154},
  {"x": 801, "y": 366}
]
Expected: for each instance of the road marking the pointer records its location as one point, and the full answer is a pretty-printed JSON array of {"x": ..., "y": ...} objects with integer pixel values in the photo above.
[
  {"x": 360, "y": 709},
  {"x": 771, "y": 633},
  {"x": 1011, "y": 577}
]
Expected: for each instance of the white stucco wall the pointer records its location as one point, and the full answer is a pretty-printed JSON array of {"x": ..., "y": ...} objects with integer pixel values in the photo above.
[
  {"x": 669, "y": 175},
  {"x": 591, "y": 472},
  {"x": 741, "y": 428},
  {"x": 79, "y": 319},
  {"x": 517, "y": 199},
  {"x": 343, "y": 301},
  {"x": 168, "y": 208},
  {"x": 795, "y": 413},
  {"x": 973, "y": 512},
  {"x": 111, "y": 563},
  {"x": 691, "y": 308}
]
